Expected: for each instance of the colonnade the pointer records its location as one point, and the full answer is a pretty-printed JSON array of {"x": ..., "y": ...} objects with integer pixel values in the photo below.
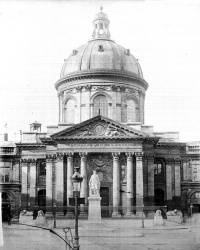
[{"x": 55, "y": 165}]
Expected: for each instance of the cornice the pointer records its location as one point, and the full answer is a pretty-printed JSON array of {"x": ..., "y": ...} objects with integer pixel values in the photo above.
[
  {"x": 105, "y": 74},
  {"x": 30, "y": 145},
  {"x": 171, "y": 144}
]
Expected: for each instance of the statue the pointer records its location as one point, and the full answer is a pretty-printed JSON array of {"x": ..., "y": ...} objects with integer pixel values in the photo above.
[{"x": 94, "y": 184}]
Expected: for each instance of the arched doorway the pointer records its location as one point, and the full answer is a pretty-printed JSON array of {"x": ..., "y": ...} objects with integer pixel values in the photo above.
[
  {"x": 195, "y": 201},
  {"x": 159, "y": 197}
]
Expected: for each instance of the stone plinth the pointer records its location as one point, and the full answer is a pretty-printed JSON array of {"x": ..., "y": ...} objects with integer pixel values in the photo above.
[
  {"x": 158, "y": 219},
  {"x": 40, "y": 221},
  {"x": 175, "y": 218},
  {"x": 94, "y": 212},
  {"x": 26, "y": 217}
]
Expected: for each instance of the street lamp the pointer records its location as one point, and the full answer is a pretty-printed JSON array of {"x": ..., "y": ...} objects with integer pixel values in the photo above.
[
  {"x": 76, "y": 179},
  {"x": 142, "y": 215},
  {"x": 54, "y": 217},
  {"x": 191, "y": 207}
]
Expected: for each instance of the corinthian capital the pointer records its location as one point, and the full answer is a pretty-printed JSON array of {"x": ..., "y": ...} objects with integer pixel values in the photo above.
[{"x": 138, "y": 155}]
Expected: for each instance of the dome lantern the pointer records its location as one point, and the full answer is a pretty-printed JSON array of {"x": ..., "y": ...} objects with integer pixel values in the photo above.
[{"x": 101, "y": 26}]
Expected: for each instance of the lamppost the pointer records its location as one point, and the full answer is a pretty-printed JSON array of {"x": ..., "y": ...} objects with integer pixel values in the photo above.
[
  {"x": 142, "y": 215},
  {"x": 54, "y": 218},
  {"x": 76, "y": 179},
  {"x": 191, "y": 207}
]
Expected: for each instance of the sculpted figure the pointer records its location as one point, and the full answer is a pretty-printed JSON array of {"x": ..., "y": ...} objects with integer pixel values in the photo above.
[
  {"x": 94, "y": 184},
  {"x": 111, "y": 132}
]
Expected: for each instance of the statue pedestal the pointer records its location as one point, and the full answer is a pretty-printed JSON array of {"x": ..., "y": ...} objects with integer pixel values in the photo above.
[{"x": 94, "y": 212}]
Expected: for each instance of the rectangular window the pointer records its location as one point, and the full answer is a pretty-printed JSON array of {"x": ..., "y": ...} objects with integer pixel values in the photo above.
[
  {"x": 4, "y": 174},
  {"x": 158, "y": 169}
]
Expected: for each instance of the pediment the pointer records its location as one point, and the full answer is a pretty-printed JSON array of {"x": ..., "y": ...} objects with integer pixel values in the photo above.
[{"x": 98, "y": 127}]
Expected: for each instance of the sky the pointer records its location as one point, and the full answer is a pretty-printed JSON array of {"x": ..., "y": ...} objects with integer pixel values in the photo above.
[{"x": 36, "y": 37}]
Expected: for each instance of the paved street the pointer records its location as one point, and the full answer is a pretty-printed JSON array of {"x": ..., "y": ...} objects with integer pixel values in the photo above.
[{"x": 118, "y": 234}]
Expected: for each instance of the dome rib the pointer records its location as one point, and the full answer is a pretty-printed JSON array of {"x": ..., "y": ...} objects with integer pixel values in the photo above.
[
  {"x": 90, "y": 55},
  {"x": 81, "y": 57}
]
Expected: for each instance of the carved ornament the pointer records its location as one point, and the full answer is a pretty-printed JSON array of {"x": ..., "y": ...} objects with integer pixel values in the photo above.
[{"x": 101, "y": 130}]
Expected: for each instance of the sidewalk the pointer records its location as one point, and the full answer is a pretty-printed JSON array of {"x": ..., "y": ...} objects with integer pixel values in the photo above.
[{"x": 117, "y": 234}]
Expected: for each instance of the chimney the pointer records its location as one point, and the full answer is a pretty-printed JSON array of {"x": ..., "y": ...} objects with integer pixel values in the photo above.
[{"x": 5, "y": 136}]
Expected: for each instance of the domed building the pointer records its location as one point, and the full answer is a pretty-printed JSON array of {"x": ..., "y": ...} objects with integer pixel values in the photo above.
[
  {"x": 101, "y": 127},
  {"x": 101, "y": 77}
]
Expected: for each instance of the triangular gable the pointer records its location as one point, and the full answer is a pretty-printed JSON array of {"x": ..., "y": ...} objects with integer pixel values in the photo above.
[{"x": 99, "y": 127}]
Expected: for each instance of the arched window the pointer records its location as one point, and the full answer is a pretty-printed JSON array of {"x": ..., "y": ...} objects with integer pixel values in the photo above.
[
  {"x": 132, "y": 111},
  {"x": 100, "y": 105},
  {"x": 70, "y": 108}
]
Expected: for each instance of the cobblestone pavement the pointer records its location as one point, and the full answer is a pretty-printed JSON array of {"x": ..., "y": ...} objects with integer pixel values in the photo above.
[{"x": 115, "y": 235}]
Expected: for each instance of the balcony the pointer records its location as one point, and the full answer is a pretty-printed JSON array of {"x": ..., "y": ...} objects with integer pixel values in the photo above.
[{"x": 7, "y": 151}]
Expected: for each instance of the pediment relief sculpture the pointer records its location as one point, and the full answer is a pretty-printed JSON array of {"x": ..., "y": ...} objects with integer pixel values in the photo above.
[{"x": 100, "y": 130}]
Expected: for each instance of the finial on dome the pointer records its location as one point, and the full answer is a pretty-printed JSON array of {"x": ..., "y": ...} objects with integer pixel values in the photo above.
[{"x": 101, "y": 26}]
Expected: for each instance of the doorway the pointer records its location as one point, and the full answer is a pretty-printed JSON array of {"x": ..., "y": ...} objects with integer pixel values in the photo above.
[
  {"x": 42, "y": 198},
  {"x": 159, "y": 197},
  {"x": 6, "y": 207},
  {"x": 104, "y": 193}
]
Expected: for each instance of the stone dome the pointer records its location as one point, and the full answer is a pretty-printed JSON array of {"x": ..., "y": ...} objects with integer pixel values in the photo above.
[{"x": 100, "y": 54}]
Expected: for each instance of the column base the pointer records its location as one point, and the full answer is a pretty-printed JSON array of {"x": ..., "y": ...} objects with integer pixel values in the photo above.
[
  {"x": 116, "y": 215},
  {"x": 129, "y": 215},
  {"x": 140, "y": 214}
]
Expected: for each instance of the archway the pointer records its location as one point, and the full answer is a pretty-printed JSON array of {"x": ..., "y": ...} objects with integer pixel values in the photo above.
[{"x": 195, "y": 201}]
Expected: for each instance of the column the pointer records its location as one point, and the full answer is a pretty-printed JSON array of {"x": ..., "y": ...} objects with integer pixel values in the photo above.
[
  {"x": 32, "y": 183},
  {"x": 84, "y": 184},
  {"x": 59, "y": 184},
  {"x": 70, "y": 171},
  {"x": 169, "y": 183},
  {"x": 177, "y": 197},
  {"x": 24, "y": 188},
  {"x": 116, "y": 185},
  {"x": 139, "y": 184},
  {"x": 49, "y": 184},
  {"x": 150, "y": 158},
  {"x": 129, "y": 186}
]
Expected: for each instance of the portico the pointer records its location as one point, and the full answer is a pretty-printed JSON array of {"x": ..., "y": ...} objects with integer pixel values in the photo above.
[{"x": 118, "y": 161}]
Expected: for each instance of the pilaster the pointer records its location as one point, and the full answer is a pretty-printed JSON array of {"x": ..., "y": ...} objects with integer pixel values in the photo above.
[
  {"x": 177, "y": 197},
  {"x": 169, "y": 182},
  {"x": 24, "y": 187},
  {"x": 32, "y": 198},
  {"x": 150, "y": 159}
]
